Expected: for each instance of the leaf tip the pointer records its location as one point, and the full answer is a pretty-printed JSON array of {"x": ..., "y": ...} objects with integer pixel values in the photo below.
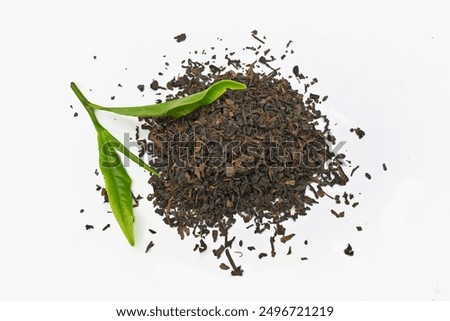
[{"x": 130, "y": 239}]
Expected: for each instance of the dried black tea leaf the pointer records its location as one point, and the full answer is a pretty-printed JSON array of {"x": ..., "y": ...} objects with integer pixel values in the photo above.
[
  {"x": 348, "y": 250},
  {"x": 149, "y": 246},
  {"x": 180, "y": 37},
  {"x": 358, "y": 131},
  {"x": 261, "y": 255}
]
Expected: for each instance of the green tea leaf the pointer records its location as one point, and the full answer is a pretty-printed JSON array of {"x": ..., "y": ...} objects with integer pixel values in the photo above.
[
  {"x": 117, "y": 180},
  {"x": 181, "y": 106},
  {"x": 117, "y": 184}
]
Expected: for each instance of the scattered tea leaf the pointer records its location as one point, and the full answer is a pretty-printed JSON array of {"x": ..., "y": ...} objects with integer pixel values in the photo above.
[
  {"x": 348, "y": 250},
  {"x": 180, "y": 37},
  {"x": 149, "y": 246},
  {"x": 223, "y": 266}
]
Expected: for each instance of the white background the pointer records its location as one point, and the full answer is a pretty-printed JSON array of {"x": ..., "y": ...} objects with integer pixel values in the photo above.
[{"x": 385, "y": 67}]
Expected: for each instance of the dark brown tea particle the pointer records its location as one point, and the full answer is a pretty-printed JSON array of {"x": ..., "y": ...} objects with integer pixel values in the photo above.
[
  {"x": 354, "y": 170},
  {"x": 348, "y": 250},
  {"x": 180, "y": 37},
  {"x": 154, "y": 85},
  {"x": 223, "y": 266},
  {"x": 89, "y": 227},
  {"x": 107, "y": 226},
  {"x": 286, "y": 238},
  {"x": 261, "y": 255},
  {"x": 368, "y": 176},
  {"x": 358, "y": 131},
  {"x": 384, "y": 167},
  {"x": 149, "y": 246},
  {"x": 338, "y": 215}
]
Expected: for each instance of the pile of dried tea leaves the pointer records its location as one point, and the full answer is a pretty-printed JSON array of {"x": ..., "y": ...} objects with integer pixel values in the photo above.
[{"x": 252, "y": 155}]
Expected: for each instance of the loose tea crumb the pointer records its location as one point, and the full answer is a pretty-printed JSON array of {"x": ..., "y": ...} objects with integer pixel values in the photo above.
[
  {"x": 141, "y": 88},
  {"x": 180, "y": 37},
  {"x": 75, "y": 115},
  {"x": 223, "y": 266},
  {"x": 338, "y": 215},
  {"x": 286, "y": 238},
  {"x": 154, "y": 85},
  {"x": 349, "y": 251},
  {"x": 358, "y": 131},
  {"x": 104, "y": 193},
  {"x": 89, "y": 227},
  {"x": 304, "y": 258},
  {"x": 82, "y": 210},
  {"x": 368, "y": 176},
  {"x": 261, "y": 255},
  {"x": 384, "y": 167},
  {"x": 107, "y": 226},
  {"x": 152, "y": 231},
  {"x": 354, "y": 170},
  {"x": 149, "y": 246},
  {"x": 359, "y": 228}
]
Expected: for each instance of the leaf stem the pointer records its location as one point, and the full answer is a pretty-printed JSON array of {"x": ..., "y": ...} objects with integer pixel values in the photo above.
[
  {"x": 90, "y": 108},
  {"x": 87, "y": 105}
]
